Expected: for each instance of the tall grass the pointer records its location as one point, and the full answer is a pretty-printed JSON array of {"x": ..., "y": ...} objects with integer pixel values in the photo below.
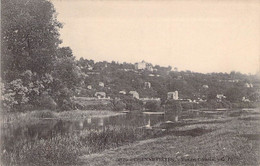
[{"x": 64, "y": 149}]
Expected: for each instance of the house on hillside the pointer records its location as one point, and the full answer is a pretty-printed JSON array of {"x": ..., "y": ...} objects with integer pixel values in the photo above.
[
  {"x": 89, "y": 87},
  {"x": 134, "y": 94},
  {"x": 205, "y": 86},
  {"x": 146, "y": 99},
  {"x": 172, "y": 95},
  {"x": 100, "y": 95},
  {"x": 101, "y": 84},
  {"x": 249, "y": 85},
  {"x": 220, "y": 97},
  {"x": 90, "y": 68},
  {"x": 143, "y": 66},
  {"x": 244, "y": 99},
  {"x": 147, "y": 85},
  {"x": 122, "y": 92}
]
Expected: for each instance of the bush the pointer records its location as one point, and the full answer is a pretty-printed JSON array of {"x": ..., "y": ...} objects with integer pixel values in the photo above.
[
  {"x": 117, "y": 105},
  {"x": 187, "y": 105},
  {"x": 45, "y": 101},
  {"x": 152, "y": 106},
  {"x": 173, "y": 106},
  {"x": 132, "y": 103}
]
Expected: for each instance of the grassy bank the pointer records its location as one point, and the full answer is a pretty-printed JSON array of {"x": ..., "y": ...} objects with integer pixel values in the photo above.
[
  {"x": 233, "y": 142},
  {"x": 65, "y": 149},
  {"x": 232, "y": 135}
]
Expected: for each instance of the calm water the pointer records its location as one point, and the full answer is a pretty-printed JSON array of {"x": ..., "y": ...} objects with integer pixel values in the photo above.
[{"x": 46, "y": 128}]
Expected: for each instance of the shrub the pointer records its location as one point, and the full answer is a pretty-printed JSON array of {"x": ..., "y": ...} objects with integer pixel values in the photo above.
[
  {"x": 132, "y": 103},
  {"x": 45, "y": 101},
  {"x": 152, "y": 105},
  {"x": 117, "y": 105}
]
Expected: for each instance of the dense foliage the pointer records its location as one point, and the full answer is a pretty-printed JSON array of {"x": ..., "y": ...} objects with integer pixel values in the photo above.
[{"x": 36, "y": 72}]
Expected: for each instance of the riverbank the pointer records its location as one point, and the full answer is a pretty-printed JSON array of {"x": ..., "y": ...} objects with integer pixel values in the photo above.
[
  {"x": 232, "y": 142},
  {"x": 193, "y": 134}
]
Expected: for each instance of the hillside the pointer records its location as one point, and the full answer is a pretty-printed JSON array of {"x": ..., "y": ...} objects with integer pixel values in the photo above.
[{"x": 190, "y": 85}]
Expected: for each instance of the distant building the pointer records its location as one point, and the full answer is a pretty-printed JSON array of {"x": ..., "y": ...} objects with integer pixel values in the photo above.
[
  {"x": 201, "y": 100},
  {"x": 143, "y": 65},
  {"x": 147, "y": 85},
  {"x": 90, "y": 68},
  {"x": 149, "y": 67},
  {"x": 173, "y": 95},
  {"x": 220, "y": 97},
  {"x": 135, "y": 94},
  {"x": 244, "y": 99},
  {"x": 249, "y": 85},
  {"x": 100, "y": 95},
  {"x": 205, "y": 86},
  {"x": 101, "y": 84},
  {"x": 145, "y": 100},
  {"x": 89, "y": 87},
  {"x": 122, "y": 92}
]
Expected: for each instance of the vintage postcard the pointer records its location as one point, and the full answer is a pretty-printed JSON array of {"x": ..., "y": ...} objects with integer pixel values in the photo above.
[{"x": 147, "y": 82}]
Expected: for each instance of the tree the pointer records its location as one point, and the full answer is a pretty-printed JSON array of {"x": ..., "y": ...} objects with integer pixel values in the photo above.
[
  {"x": 29, "y": 37},
  {"x": 234, "y": 94},
  {"x": 212, "y": 95},
  {"x": 131, "y": 103},
  {"x": 152, "y": 105},
  {"x": 117, "y": 105},
  {"x": 31, "y": 57}
]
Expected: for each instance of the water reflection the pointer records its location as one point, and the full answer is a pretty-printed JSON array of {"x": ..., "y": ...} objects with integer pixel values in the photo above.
[
  {"x": 47, "y": 128},
  {"x": 89, "y": 120}
]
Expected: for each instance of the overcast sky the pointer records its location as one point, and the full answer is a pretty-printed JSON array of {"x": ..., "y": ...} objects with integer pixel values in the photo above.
[{"x": 197, "y": 35}]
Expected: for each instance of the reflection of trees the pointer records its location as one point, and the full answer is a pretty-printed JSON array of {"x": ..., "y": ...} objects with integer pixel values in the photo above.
[{"x": 173, "y": 108}]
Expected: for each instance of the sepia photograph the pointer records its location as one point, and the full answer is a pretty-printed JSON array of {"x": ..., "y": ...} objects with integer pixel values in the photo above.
[{"x": 130, "y": 82}]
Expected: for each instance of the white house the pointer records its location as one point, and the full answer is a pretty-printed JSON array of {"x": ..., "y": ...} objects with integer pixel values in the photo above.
[
  {"x": 249, "y": 85},
  {"x": 100, "y": 95},
  {"x": 173, "y": 95},
  {"x": 205, "y": 86},
  {"x": 135, "y": 94},
  {"x": 101, "y": 84},
  {"x": 147, "y": 85},
  {"x": 122, "y": 92},
  {"x": 143, "y": 65},
  {"x": 220, "y": 97}
]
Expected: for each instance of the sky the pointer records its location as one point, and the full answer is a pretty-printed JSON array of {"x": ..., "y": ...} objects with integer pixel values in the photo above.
[{"x": 198, "y": 35}]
